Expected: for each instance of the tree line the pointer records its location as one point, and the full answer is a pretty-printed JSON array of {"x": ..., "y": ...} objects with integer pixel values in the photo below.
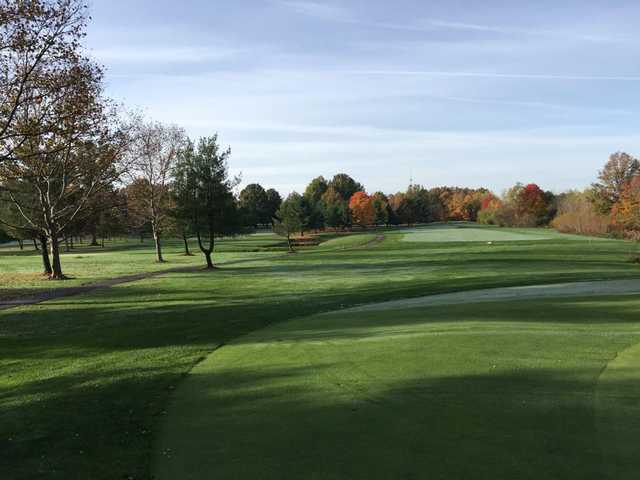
[{"x": 74, "y": 163}]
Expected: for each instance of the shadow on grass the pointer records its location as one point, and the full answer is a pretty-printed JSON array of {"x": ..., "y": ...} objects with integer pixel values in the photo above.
[{"x": 526, "y": 425}]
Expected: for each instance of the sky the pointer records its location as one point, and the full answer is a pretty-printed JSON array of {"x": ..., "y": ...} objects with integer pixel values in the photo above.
[{"x": 455, "y": 92}]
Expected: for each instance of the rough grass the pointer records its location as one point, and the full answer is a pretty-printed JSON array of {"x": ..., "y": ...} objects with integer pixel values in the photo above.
[
  {"x": 85, "y": 380},
  {"x": 20, "y": 271}
]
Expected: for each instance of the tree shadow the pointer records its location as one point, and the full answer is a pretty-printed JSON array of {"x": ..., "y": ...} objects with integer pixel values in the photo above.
[{"x": 275, "y": 423}]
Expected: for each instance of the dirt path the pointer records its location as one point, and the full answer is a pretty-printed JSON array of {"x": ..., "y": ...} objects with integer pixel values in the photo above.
[
  {"x": 604, "y": 287},
  {"x": 53, "y": 294}
]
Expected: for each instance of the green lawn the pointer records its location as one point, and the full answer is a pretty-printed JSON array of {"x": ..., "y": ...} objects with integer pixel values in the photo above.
[
  {"x": 20, "y": 270},
  {"x": 463, "y": 232},
  {"x": 86, "y": 381},
  {"x": 497, "y": 390}
]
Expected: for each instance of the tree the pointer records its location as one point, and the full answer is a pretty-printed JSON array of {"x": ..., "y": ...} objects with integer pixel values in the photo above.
[
  {"x": 155, "y": 151},
  {"x": 204, "y": 174},
  {"x": 313, "y": 204},
  {"x": 531, "y": 205},
  {"x": 577, "y": 214},
  {"x": 254, "y": 205},
  {"x": 362, "y": 210},
  {"x": 38, "y": 39},
  {"x": 381, "y": 208},
  {"x": 274, "y": 200},
  {"x": 613, "y": 178},
  {"x": 72, "y": 149},
  {"x": 290, "y": 217},
  {"x": 336, "y": 209},
  {"x": 626, "y": 211},
  {"x": 315, "y": 190},
  {"x": 344, "y": 186}
]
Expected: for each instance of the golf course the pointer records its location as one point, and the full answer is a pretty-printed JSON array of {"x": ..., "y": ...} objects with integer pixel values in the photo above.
[{"x": 446, "y": 351}]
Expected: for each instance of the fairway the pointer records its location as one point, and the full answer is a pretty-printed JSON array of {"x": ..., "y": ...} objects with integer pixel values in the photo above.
[
  {"x": 238, "y": 373},
  {"x": 497, "y": 390},
  {"x": 465, "y": 233}
]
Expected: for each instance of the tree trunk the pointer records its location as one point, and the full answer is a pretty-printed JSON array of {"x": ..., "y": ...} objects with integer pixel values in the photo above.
[
  {"x": 156, "y": 238},
  {"x": 142, "y": 238},
  {"x": 56, "y": 271},
  {"x": 66, "y": 244},
  {"x": 35, "y": 245},
  {"x": 207, "y": 256},
  {"x": 94, "y": 237},
  {"x": 207, "y": 251},
  {"x": 187, "y": 253},
  {"x": 46, "y": 262},
  {"x": 289, "y": 242},
  {"x": 21, "y": 244}
]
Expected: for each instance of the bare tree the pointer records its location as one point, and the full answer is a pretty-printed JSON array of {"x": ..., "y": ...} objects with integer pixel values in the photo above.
[
  {"x": 35, "y": 35},
  {"x": 613, "y": 179},
  {"x": 155, "y": 151}
]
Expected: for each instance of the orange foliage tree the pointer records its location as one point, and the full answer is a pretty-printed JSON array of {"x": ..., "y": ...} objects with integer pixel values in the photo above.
[
  {"x": 362, "y": 211},
  {"x": 626, "y": 212}
]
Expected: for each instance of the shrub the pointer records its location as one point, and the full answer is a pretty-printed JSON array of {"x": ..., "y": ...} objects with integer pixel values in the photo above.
[{"x": 577, "y": 214}]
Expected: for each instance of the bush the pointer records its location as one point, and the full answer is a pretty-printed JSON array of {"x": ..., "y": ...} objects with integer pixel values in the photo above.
[{"x": 577, "y": 214}]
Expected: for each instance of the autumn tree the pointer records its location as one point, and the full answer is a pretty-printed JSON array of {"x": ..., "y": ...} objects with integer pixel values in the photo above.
[
  {"x": 626, "y": 211},
  {"x": 533, "y": 206},
  {"x": 39, "y": 39},
  {"x": 154, "y": 154},
  {"x": 362, "y": 210},
  {"x": 577, "y": 214},
  {"x": 613, "y": 179},
  {"x": 203, "y": 172},
  {"x": 72, "y": 149}
]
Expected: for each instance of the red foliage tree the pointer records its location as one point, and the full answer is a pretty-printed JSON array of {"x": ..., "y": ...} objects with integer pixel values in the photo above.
[
  {"x": 532, "y": 201},
  {"x": 362, "y": 211}
]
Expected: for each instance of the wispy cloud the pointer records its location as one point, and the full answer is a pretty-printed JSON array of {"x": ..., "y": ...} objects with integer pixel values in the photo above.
[
  {"x": 335, "y": 13},
  {"x": 527, "y": 76},
  {"x": 450, "y": 25}
]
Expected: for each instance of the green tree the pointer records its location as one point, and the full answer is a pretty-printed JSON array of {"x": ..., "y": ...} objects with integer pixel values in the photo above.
[
  {"x": 208, "y": 197},
  {"x": 254, "y": 205},
  {"x": 274, "y": 200},
  {"x": 345, "y": 186},
  {"x": 381, "y": 208},
  {"x": 336, "y": 209},
  {"x": 290, "y": 217}
]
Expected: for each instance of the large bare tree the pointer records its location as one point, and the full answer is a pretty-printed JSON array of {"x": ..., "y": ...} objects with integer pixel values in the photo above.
[
  {"x": 35, "y": 35},
  {"x": 156, "y": 148}
]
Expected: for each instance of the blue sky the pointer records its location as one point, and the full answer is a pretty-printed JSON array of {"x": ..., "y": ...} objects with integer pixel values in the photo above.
[{"x": 450, "y": 92}]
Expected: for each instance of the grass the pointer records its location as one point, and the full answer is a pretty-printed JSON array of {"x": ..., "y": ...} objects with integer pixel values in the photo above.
[
  {"x": 86, "y": 381},
  {"x": 20, "y": 271},
  {"x": 503, "y": 390}
]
